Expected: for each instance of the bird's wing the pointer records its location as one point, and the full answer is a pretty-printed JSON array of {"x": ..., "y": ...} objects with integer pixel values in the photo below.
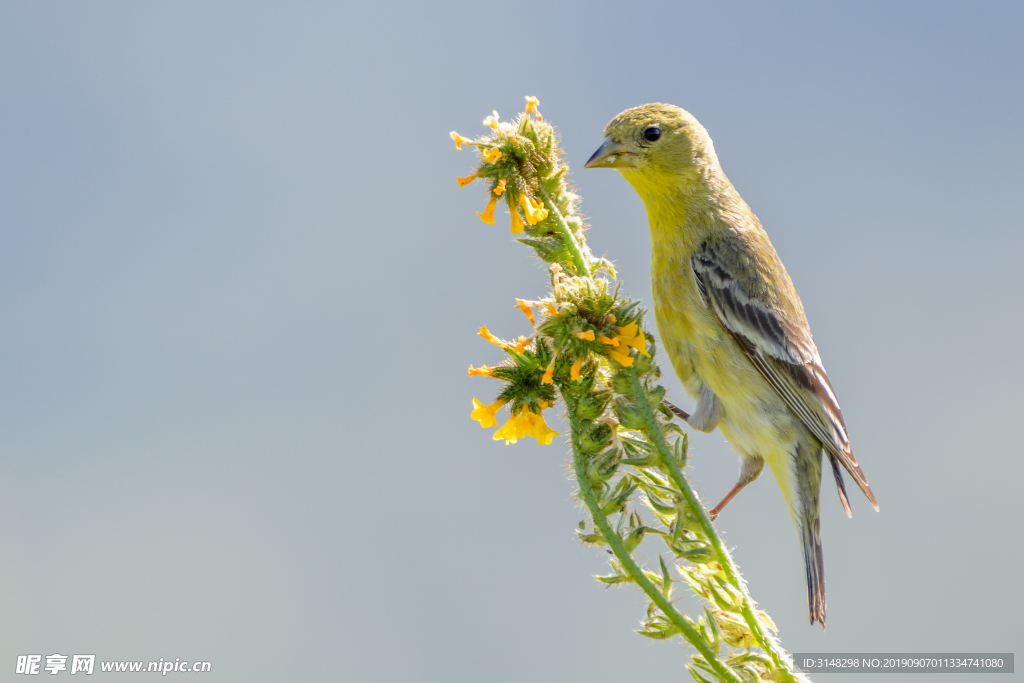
[{"x": 780, "y": 347}]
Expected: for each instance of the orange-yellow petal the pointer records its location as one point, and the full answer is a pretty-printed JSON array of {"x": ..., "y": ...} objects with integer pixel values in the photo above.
[
  {"x": 492, "y": 155},
  {"x": 574, "y": 371},
  {"x": 544, "y": 405},
  {"x": 629, "y": 330},
  {"x": 488, "y": 215},
  {"x": 588, "y": 335},
  {"x": 549, "y": 374},
  {"x": 507, "y": 431},
  {"x": 482, "y": 371},
  {"x": 632, "y": 335},
  {"x": 526, "y": 309},
  {"x": 526, "y": 424},
  {"x": 492, "y": 121},
  {"x": 517, "y": 222},
  {"x": 534, "y": 210},
  {"x": 531, "y": 107},
  {"x": 500, "y": 187},
  {"x": 551, "y": 308},
  {"x": 467, "y": 180},
  {"x": 532, "y": 424},
  {"x": 521, "y": 344},
  {"x": 486, "y": 334},
  {"x": 485, "y": 414},
  {"x": 605, "y": 340},
  {"x": 624, "y": 358},
  {"x": 544, "y": 433},
  {"x": 460, "y": 141}
]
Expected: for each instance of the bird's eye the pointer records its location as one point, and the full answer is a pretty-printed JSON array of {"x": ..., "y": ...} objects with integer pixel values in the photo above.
[{"x": 652, "y": 133}]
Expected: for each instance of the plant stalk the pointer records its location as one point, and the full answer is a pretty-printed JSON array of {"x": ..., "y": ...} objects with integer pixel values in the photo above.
[
  {"x": 578, "y": 259},
  {"x": 658, "y": 438},
  {"x": 626, "y": 559}
]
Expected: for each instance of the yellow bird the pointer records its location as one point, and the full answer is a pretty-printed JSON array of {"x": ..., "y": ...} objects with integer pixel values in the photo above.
[{"x": 732, "y": 322}]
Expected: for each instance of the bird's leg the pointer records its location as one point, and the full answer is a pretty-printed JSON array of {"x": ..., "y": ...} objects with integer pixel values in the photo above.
[
  {"x": 680, "y": 413},
  {"x": 713, "y": 512},
  {"x": 751, "y": 469}
]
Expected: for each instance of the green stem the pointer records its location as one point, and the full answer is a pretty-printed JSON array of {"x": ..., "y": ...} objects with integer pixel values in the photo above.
[
  {"x": 626, "y": 559},
  {"x": 568, "y": 238},
  {"x": 732, "y": 574}
]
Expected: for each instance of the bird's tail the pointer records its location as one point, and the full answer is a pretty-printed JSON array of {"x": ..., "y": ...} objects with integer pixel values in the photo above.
[
  {"x": 814, "y": 565},
  {"x": 808, "y": 522}
]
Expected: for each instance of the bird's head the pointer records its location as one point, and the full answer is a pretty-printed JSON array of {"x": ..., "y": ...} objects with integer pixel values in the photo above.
[{"x": 656, "y": 146}]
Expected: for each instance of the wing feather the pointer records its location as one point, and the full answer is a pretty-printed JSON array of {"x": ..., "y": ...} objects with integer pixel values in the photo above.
[{"x": 782, "y": 350}]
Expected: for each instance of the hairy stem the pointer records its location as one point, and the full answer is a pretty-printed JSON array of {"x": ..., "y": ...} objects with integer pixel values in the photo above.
[
  {"x": 654, "y": 433},
  {"x": 626, "y": 559},
  {"x": 578, "y": 259}
]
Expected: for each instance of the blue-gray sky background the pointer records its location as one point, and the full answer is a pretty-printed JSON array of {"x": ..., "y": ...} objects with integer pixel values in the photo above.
[{"x": 239, "y": 290}]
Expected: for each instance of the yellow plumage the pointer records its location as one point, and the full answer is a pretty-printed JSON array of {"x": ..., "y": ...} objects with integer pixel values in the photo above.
[{"x": 731, "y": 320}]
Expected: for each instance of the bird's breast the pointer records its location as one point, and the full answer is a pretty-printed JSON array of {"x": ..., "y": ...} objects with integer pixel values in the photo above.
[{"x": 688, "y": 330}]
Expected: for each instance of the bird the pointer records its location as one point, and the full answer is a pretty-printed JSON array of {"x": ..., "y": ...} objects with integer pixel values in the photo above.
[{"x": 732, "y": 323}]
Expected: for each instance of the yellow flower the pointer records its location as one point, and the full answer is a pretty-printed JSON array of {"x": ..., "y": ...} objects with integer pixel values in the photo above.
[
  {"x": 549, "y": 374},
  {"x": 485, "y": 414},
  {"x": 525, "y": 308},
  {"x": 525, "y": 423},
  {"x": 588, "y": 335},
  {"x": 605, "y": 340},
  {"x": 488, "y": 215},
  {"x": 492, "y": 121},
  {"x": 551, "y": 308},
  {"x": 460, "y": 141},
  {"x": 531, "y": 107},
  {"x": 467, "y": 180},
  {"x": 486, "y": 334},
  {"x": 517, "y": 222},
  {"x": 623, "y": 358},
  {"x": 507, "y": 431},
  {"x": 492, "y": 155},
  {"x": 532, "y": 424},
  {"x": 482, "y": 371},
  {"x": 500, "y": 187},
  {"x": 534, "y": 211},
  {"x": 544, "y": 405},
  {"x": 521, "y": 344},
  {"x": 632, "y": 335},
  {"x": 574, "y": 371},
  {"x": 544, "y": 433}
]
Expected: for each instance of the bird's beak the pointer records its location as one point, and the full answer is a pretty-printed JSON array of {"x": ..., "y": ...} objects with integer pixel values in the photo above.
[{"x": 611, "y": 154}]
